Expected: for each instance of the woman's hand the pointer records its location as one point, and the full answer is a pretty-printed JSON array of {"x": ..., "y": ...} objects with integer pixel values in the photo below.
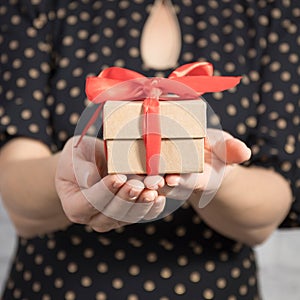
[
  {"x": 221, "y": 152},
  {"x": 91, "y": 197}
]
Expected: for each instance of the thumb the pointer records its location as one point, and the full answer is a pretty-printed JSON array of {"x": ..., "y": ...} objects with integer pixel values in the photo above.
[{"x": 232, "y": 151}]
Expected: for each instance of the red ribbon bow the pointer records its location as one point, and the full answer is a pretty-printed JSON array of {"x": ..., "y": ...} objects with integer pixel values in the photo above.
[{"x": 187, "y": 82}]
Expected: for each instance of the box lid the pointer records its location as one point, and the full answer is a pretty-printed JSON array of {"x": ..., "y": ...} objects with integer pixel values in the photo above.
[{"x": 178, "y": 119}]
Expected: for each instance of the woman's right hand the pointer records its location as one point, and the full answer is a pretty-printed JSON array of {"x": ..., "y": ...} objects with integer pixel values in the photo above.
[{"x": 90, "y": 196}]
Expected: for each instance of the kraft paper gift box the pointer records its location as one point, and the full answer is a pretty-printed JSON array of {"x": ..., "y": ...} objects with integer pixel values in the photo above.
[
  {"x": 182, "y": 130},
  {"x": 182, "y": 122}
]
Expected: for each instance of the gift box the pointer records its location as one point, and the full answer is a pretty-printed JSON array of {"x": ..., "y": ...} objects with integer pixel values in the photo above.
[
  {"x": 154, "y": 125},
  {"x": 182, "y": 129}
]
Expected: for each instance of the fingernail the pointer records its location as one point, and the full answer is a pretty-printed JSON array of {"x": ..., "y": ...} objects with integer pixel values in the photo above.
[
  {"x": 154, "y": 182},
  {"x": 173, "y": 182},
  {"x": 150, "y": 196},
  {"x": 120, "y": 180},
  {"x": 132, "y": 194}
]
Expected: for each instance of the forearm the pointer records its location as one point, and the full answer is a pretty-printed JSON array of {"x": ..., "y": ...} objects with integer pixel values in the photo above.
[
  {"x": 249, "y": 205},
  {"x": 29, "y": 195}
]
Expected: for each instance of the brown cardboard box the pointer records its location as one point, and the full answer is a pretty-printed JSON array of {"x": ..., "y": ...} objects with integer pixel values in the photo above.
[{"x": 182, "y": 126}]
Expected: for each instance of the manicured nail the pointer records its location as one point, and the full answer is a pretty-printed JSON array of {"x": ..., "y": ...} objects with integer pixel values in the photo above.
[
  {"x": 133, "y": 194},
  {"x": 150, "y": 196},
  {"x": 120, "y": 180},
  {"x": 173, "y": 182}
]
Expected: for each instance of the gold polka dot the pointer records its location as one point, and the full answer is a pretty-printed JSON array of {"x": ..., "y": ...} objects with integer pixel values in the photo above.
[
  {"x": 88, "y": 253},
  {"x": 61, "y": 255},
  {"x": 51, "y": 244},
  {"x": 286, "y": 166},
  {"x": 60, "y": 109},
  {"x": 221, "y": 283},
  {"x": 17, "y": 293},
  {"x": 21, "y": 82},
  {"x": 19, "y": 266},
  {"x": 120, "y": 254},
  {"x": 33, "y": 73},
  {"x": 168, "y": 218},
  {"x": 104, "y": 241},
  {"x": 231, "y": 110},
  {"x": 29, "y": 53},
  {"x": 27, "y": 275},
  {"x": 17, "y": 63},
  {"x": 232, "y": 297},
  {"x": 36, "y": 287},
  {"x": 46, "y": 297},
  {"x": 117, "y": 283},
  {"x": 38, "y": 259},
  {"x": 151, "y": 257},
  {"x": 101, "y": 296},
  {"x": 149, "y": 286},
  {"x": 26, "y": 114},
  {"x": 166, "y": 273},
  {"x": 208, "y": 294},
  {"x": 134, "y": 270},
  {"x": 166, "y": 244},
  {"x": 251, "y": 121},
  {"x": 150, "y": 229},
  {"x": 68, "y": 40},
  {"x": 48, "y": 271},
  {"x": 75, "y": 240},
  {"x": 210, "y": 266},
  {"x": 281, "y": 123},
  {"x": 93, "y": 57},
  {"x": 132, "y": 297},
  {"x": 86, "y": 281},
  {"x": 223, "y": 256},
  {"x": 252, "y": 281},
  {"x": 75, "y": 92},
  {"x": 106, "y": 51},
  {"x": 235, "y": 273},
  {"x": 102, "y": 267},
  {"x": 246, "y": 263},
  {"x": 196, "y": 219},
  {"x": 179, "y": 289},
  {"x": 182, "y": 260},
  {"x": 63, "y": 63},
  {"x": 70, "y": 295},
  {"x": 195, "y": 277},
  {"x": 134, "y": 52},
  {"x": 58, "y": 283},
  {"x": 77, "y": 72},
  {"x": 243, "y": 290},
  {"x": 30, "y": 249},
  {"x": 72, "y": 267},
  {"x": 12, "y": 130},
  {"x": 278, "y": 96},
  {"x": 120, "y": 42},
  {"x": 198, "y": 249},
  {"x": 13, "y": 45},
  {"x": 207, "y": 233}
]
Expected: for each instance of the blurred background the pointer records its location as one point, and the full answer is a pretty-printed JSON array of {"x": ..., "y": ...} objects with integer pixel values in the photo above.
[{"x": 278, "y": 261}]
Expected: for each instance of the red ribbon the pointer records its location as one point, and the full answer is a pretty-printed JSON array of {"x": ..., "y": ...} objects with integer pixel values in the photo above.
[{"x": 187, "y": 82}]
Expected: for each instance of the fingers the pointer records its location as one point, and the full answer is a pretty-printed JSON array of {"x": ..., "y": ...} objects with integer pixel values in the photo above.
[
  {"x": 157, "y": 208},
  {"x": 225, "y": 147}
]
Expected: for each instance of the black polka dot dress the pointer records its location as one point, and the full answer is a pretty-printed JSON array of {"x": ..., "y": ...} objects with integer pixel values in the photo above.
[{"x": 47, "y": 48}]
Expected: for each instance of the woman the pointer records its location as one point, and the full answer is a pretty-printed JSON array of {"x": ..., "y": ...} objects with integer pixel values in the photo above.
[{"x": 69, "y": 250}]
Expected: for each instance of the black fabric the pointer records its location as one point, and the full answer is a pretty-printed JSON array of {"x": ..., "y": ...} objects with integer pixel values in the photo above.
[{"x": 47, "y": 49}]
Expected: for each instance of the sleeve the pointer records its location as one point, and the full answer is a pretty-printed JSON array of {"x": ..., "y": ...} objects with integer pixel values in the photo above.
[
  {"x": 275, "y": 142},
  {"x": 25, "y": 47}
]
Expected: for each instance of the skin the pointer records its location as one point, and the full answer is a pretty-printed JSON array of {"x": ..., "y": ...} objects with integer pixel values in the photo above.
[{"x": 44, "y": 192}]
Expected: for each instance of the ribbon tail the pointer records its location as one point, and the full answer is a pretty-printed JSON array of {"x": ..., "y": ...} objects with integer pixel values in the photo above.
[
  {"x": 152, "y": 135},
  {"x": 91, "y": 121}
]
